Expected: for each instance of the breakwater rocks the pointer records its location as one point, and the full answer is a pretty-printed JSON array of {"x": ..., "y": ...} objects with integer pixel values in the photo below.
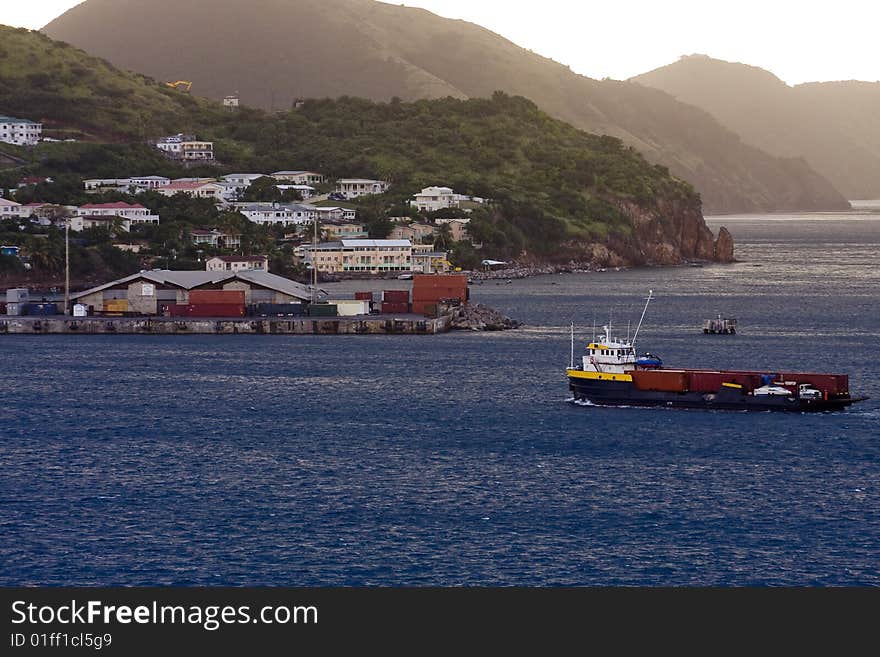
[{"x": 477, "y": 317}]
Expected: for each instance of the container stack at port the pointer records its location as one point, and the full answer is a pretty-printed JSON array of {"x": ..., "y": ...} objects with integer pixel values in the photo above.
[
  {"x": 395, "y": 302},
  {"x": 430, "y": 291}
]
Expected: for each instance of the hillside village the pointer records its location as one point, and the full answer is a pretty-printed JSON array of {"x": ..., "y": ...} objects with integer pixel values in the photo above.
[{"x": 316, "y": 222}]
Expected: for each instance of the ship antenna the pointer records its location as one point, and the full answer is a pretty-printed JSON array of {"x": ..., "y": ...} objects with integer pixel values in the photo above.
[
  {"x": 627, "y": 330},
  {"x": 571, "y": 362},
  {"x": 594, "y": 329},
  {"x": 650, "y": 296}
]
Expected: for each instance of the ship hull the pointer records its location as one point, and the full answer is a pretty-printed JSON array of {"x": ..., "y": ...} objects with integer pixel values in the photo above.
[{"x": 625, "y": 393}]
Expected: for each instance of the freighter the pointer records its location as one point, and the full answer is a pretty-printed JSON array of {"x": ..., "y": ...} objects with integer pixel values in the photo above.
[{"x": 611, "y": 374}]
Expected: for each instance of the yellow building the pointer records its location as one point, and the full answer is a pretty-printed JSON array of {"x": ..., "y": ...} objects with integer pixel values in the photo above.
[{"x": 370, "y": 256}]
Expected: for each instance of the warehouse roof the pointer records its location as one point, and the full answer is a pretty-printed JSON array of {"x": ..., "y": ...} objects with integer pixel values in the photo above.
[{"x": 188, "y": 280}]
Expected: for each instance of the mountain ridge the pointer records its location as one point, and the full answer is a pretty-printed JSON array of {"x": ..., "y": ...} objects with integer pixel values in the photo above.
[
  {"x": 274, "y": 51},
  {"x": 832, "y": 125}
]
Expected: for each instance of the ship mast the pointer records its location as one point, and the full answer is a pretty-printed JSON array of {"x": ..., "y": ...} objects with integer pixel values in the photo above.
[
  {"x": 641, "y": 319},
  {"x": 571, "y": 361}
]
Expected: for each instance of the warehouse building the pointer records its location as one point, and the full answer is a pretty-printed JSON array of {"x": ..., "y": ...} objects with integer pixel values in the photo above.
[{"x": 148, "y": 291}]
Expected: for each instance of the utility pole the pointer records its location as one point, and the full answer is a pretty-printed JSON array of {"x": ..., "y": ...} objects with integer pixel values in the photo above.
[
  {"x": 67, "y": 265},
  {"x": 315, "y": 260}
]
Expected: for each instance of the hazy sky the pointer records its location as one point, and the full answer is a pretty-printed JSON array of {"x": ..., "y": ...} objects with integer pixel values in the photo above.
[{"x": 799, "y": 41}]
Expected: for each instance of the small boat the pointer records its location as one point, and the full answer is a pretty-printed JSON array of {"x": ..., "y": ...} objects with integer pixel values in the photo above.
[
  {"x": 405, "y": 277},
  {"x": 611, "y": 374}
]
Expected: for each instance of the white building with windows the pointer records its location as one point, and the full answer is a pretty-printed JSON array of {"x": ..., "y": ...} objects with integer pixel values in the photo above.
[
  {"x": 237, "y": 263},
  {"x": 355, "y": 187},
  {"x": 9, "y": 209},
  {"x": 186, "y": 147},
  {"x": 277, "y": 213},
  {"x": 368, "y": 256},
  {"x": 299, "y": 177},
  {"x": 211, "y": 190},
  {"x": 135, "y": 213},
  {"x": 21, "y": 132},
  {"x": 215, "y": 238},
  {"x": 431, "y": 199}
]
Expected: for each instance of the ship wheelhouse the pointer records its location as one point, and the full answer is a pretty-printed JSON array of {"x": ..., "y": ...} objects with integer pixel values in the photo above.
[{"x": 609, "y": 355}]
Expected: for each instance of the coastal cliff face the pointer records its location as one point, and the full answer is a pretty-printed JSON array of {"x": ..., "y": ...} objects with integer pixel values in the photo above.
[{"x": 672, "y": 233}]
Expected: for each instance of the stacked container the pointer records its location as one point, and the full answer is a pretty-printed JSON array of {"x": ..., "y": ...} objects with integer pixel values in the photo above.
[
  {"x": 429, "y": 290},
  {"x": 216, "y": 303},
  {"x": 322, "y": 310}
]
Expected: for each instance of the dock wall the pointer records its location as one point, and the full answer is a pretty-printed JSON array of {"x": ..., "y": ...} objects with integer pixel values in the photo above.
[{"x": 380, "y": 325}]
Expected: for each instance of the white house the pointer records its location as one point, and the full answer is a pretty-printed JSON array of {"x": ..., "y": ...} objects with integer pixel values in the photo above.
[
  {"x": 21, "y": 132},
  {"x": 431, "y": 199},
  {"x": 277, "y": 213},
  {"x": 82, "y": 222},
  {"x": 9, "y": 209},
  {"x": 215, "y": 238},
  {"x": 299, "y": 177},
  {"x": 186, "y": 147},
  {"x": 326, "y": 213},
  {"x": 354, "y": 187},
  {"x": 137, "y": 184},
  {"x": 237, "y": 263},
  {"x": 209, "y": 190},
  {"x": 305, "y": 191},
  {"x": 243, "y": 180},
  {"x": 135, "y": 213}
]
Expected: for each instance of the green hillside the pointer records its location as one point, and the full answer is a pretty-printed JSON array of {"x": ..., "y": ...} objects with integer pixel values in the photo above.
[
  {"x": 78, "y": 95},
  {"x": 832, "y": 125},
  {"x": 274, "y": 51},
  {"x": 558, "y": 193}
]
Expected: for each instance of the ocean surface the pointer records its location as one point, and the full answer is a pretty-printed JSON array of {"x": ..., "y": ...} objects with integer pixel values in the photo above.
[{"x": 457, "y": 459}]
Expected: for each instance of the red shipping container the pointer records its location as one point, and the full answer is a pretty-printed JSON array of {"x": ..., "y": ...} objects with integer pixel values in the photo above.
[
  {"x": 426, "y": 308},
  {"x": 216, "y": 296},
  {"x": 661, "y": 380},
  {"x": 705, "y": 381},
  {"x": 396, "y": 296},
  {"x": 178, "y": 310},
  {"x": 394, "y": 308},
  {"x": 833, "y": 384},
  {"x": 363, "y": 296},
  {"x": 215, "y": 310}
]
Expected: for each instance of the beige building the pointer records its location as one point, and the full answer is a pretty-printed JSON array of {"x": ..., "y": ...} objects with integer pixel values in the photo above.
[
  {"x": 237, "y": 263},
  {"x": 457, "y": 227},
  {"x": 414, "y": 232},
  {"x": 299, "y": 177},
  {"x": 369, "y": 256}
]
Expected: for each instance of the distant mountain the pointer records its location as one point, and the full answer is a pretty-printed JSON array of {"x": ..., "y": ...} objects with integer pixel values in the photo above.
[
  {"x": 558, "y": 193},
  {"x": 273, "y": 51},
  {"x": 834, "y": 126}
]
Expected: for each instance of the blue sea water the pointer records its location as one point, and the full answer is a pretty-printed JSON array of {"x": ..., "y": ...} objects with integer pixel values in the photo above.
[{"x": 456, "y": 459}]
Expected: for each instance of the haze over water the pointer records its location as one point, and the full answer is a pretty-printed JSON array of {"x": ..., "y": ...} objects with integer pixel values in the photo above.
[{"x": 456, "y": 459}]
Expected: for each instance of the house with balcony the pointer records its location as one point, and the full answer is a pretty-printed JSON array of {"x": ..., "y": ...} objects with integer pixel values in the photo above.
[
  {"x": 215, "y": 239},
  {"x": 283, "y": 214},
  {"x": 299, "y": 177},
  {"x": 196, "y": 189},
  {"x": 21, "y": 132},
  {"x": 355, "y": 187},
  {"x": 186, "y": 147},
  {"x": 431, "y": 199},
  {"x": 366, "y": 256},
  {"x": 134, "y": 213}
]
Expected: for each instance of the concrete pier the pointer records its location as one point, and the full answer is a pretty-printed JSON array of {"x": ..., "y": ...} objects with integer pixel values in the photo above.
[{"x": 363, "y": 325}]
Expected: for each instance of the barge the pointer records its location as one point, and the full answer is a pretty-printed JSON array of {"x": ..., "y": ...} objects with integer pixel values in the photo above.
[{"x": 611, "y": 374}]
